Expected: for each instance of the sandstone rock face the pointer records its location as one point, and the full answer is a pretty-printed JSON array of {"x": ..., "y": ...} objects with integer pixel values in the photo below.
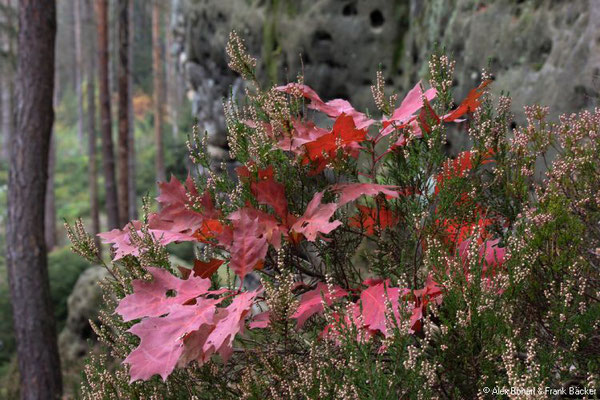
[
  {"x": 83, "y": 305},
  {"x": 540, "y": 51}
]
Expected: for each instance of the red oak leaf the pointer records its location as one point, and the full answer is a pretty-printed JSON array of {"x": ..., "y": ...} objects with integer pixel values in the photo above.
[
  {"x": 352, "y": 191},
  {"x": 373, "y": 301},
  {"x": 121, "y": 243},
  {"x": 269, "y": 226},
  {"x": 261, "y": 320},
  {"x": 344, "y": 136},
  {"x": 489, "y": 253},
  {"x": 249, "y": 243},
  {"x": 404, "y": 114},
  {"x": 469, "y": 104},
  {"x": 193, "y": 344},
  {"x": 311, "y": 302},
  {"x": 333, "y": 108},
  {"x": 202, "y": 269},
  {"x": 172, "y": 193},
  {"x": 271, "y": 193},
  {"x": 427, "y": 117},
  {"x": 431, "y": 292},
  {"x": 337, "y": 107},
  {"x": 372, "y": 218},
  {"x": 210, "y": 229},
  {"x": 156, "y": 297},
  {"x": 162, "y": 233},
  {"x": 161, "y": 339},
  {"x": 412, "y": 103},
  {"x": 303, "y": 133},
  {"x": 316, "y": 218},
  {"x": 230, "y": 323}
]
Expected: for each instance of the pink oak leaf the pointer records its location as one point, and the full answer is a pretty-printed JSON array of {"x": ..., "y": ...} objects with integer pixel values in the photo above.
[
  {"x": 304, "y": 132},
  {"x": 269, "y": 225},
  {"x": 172, "y": 193},
  {"x": 316, "y": 218},
  {"x": 333, "y": 108},
  {"x": 162, "y": 339},
  {"x": 231, "y": 323},
  {"x": 249, "y": 243},
  {"x": 405, "y": 113},
  {"x": 261, "y": 320},
  {"x": 157, "y": 297},
  {"x": 271, "y": 193},
  {"x": 351, "y": 191},
  {"x": 373, "y": 301},
  {"x": 311, "y": 302}
]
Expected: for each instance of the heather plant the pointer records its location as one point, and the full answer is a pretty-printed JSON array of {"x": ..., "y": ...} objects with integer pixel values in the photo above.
[{"x": 386, "y": 268}]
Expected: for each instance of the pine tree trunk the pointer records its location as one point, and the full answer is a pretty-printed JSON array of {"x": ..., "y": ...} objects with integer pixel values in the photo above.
[
  {"x": 7, "y": 111},
  {"x": 108, "y": 159},
  {"x": 91, "y": 125},
  {"x": 131, "y": 146},
  {"x": 158, "y": 91},
  {"x": 50, "y": 213},
  {"x": 78, "y": 71},
  {"x": 50, "y": 206},
  {"x": 171, "y": 81},
  {"x": 35, "y": 329},
  {"x": 7, "y": 89},
  {"x": 123, "y": 152}
]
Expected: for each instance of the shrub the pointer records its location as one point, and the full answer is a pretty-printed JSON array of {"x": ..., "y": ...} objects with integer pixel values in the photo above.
[{"x": 387, "y": 269}]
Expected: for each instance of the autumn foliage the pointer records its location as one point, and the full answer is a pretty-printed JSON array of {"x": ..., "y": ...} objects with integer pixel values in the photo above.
[{"x": 382, "y": 267}]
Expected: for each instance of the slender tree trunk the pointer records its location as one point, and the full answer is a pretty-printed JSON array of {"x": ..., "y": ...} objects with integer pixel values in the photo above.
[
  {"x": 91, "y": 125},
  {"x": 35, "y": 329},
  {"x": 108, "y": 159},
  {"x": 50, "y": 213},
  {"x": 157, "y": 62},
  {"x": 7, "y": 112},
  {"x": 78, "y": 70},
  {"x": 6, "y": 81},
  {"x": 171, "y": 81},
  {"x": 50, "y": 205},
  {"x": 131, "y": 146},
  {"x": 123, "y": 147}
]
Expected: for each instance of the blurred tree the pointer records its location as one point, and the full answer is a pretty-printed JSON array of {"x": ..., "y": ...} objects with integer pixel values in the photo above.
[
  {"x": 172, "y": 82},
  {"x": 91, "y": 122},
  {"x": 50, "y": 205},
  {"x": 108, "y": 158},
  {"x": 157, "y": 62},
  {"x": 131, "y": 146},
  {"x": 78, "y": 69},
  {"x": 7, "y": 36},
  {"x": 124, "y": 137},
  {"x": 39, "y": 364}
]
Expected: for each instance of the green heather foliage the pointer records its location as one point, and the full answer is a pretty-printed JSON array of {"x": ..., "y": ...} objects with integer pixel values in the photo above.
[{"x": 495, "y": 274}]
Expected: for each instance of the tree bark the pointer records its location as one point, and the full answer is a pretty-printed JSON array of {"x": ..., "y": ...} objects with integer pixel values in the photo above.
[
  {"x": 157, "y": 63},
  {"x": 123, "y": 148},
  {"x": 6, "y": 80},
  {"x": 171, "y": 82},
  {"x": 131, "y": 146},
  {"x": 78, "y": 71},
  {"x": 91, "y": 126},
  {"x": 108, "y": 159},
  {"x": 7, "y": 113},
  {"x": 35, "y": 329},
  {"x": 50, "y": 204}
]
